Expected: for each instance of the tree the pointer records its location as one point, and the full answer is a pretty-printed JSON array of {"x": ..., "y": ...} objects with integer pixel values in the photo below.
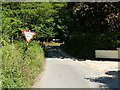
[
  {"x": 19, "y": 16},
  {"x": 90, "y": 25}
]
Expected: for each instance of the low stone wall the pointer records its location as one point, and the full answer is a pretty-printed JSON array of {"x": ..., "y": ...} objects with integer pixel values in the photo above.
[{"x": 108, "y": 53}]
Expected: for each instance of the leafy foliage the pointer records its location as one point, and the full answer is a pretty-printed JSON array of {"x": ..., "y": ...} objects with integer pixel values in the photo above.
[
  {"x": 25, "y": 15},
  {"x": 92, "y": 25},
  {"x": 83, "y": 27},
  {"x": 20, "y": 67}
]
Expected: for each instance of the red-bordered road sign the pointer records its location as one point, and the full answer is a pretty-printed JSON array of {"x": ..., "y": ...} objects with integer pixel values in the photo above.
[{"x": 28, "y": 35}]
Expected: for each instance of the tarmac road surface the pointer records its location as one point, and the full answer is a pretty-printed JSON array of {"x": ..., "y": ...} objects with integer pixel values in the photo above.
[{"x": 63, "y": 71}]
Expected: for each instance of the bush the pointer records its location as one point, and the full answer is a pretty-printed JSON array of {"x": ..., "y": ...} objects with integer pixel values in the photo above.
[
  {"x": 82, "y": 46},
  {"x": 20, "y": 66}
]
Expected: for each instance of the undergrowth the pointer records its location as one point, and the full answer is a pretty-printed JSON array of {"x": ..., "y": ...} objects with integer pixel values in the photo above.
[{"x": 21, "y": 64}]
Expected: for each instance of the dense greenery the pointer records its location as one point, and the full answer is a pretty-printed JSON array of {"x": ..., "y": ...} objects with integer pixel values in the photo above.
[
  {"x": 83, "y": 27},
  {"x": 20, "y": 67},
  {"x": 92, "y": 26},
  {"x": 21, "y": 63},
  {"x": 22, "y": 16}
]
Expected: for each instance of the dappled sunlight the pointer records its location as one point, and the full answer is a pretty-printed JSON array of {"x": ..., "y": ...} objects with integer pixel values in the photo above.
[
  {"x": 109, "y": 81},
  {"x": 56, "y": 52}
]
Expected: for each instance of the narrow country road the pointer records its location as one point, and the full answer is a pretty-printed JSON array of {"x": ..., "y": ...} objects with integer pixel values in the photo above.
[{"x": 63, "y": 71}]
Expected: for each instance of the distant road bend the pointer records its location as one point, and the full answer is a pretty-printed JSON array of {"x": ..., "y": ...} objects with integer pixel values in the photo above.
[{"x": 63, "y": 71}]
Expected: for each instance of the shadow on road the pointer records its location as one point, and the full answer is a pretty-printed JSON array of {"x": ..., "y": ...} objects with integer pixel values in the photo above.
[
  {"x": 56, "y": 52},
  {"x": 112, "y": 81}
]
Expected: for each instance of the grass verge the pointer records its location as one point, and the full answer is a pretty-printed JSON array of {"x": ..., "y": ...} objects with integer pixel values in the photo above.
[{"x": 21, "y": 65}]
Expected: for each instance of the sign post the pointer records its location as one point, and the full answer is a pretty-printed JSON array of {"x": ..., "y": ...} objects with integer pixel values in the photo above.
[{"x": 28, "y": 36}]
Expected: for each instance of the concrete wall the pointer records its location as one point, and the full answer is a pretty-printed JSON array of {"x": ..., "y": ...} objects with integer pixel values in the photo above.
[
  {"x": 118, "y": 52},
  {"x": 107, "y": 54}
]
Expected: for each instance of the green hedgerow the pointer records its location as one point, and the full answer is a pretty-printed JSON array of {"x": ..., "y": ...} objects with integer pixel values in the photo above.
[{"x": 20, "y": 66}]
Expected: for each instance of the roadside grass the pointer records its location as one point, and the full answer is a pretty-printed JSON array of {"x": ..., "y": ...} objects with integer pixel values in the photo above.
[
  {"x": 21, "y": 65},
  {"x": 0, "y": 68}
]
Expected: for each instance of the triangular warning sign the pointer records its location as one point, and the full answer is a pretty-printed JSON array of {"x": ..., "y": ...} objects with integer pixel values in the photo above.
[{"x": 28, "y": 35}]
